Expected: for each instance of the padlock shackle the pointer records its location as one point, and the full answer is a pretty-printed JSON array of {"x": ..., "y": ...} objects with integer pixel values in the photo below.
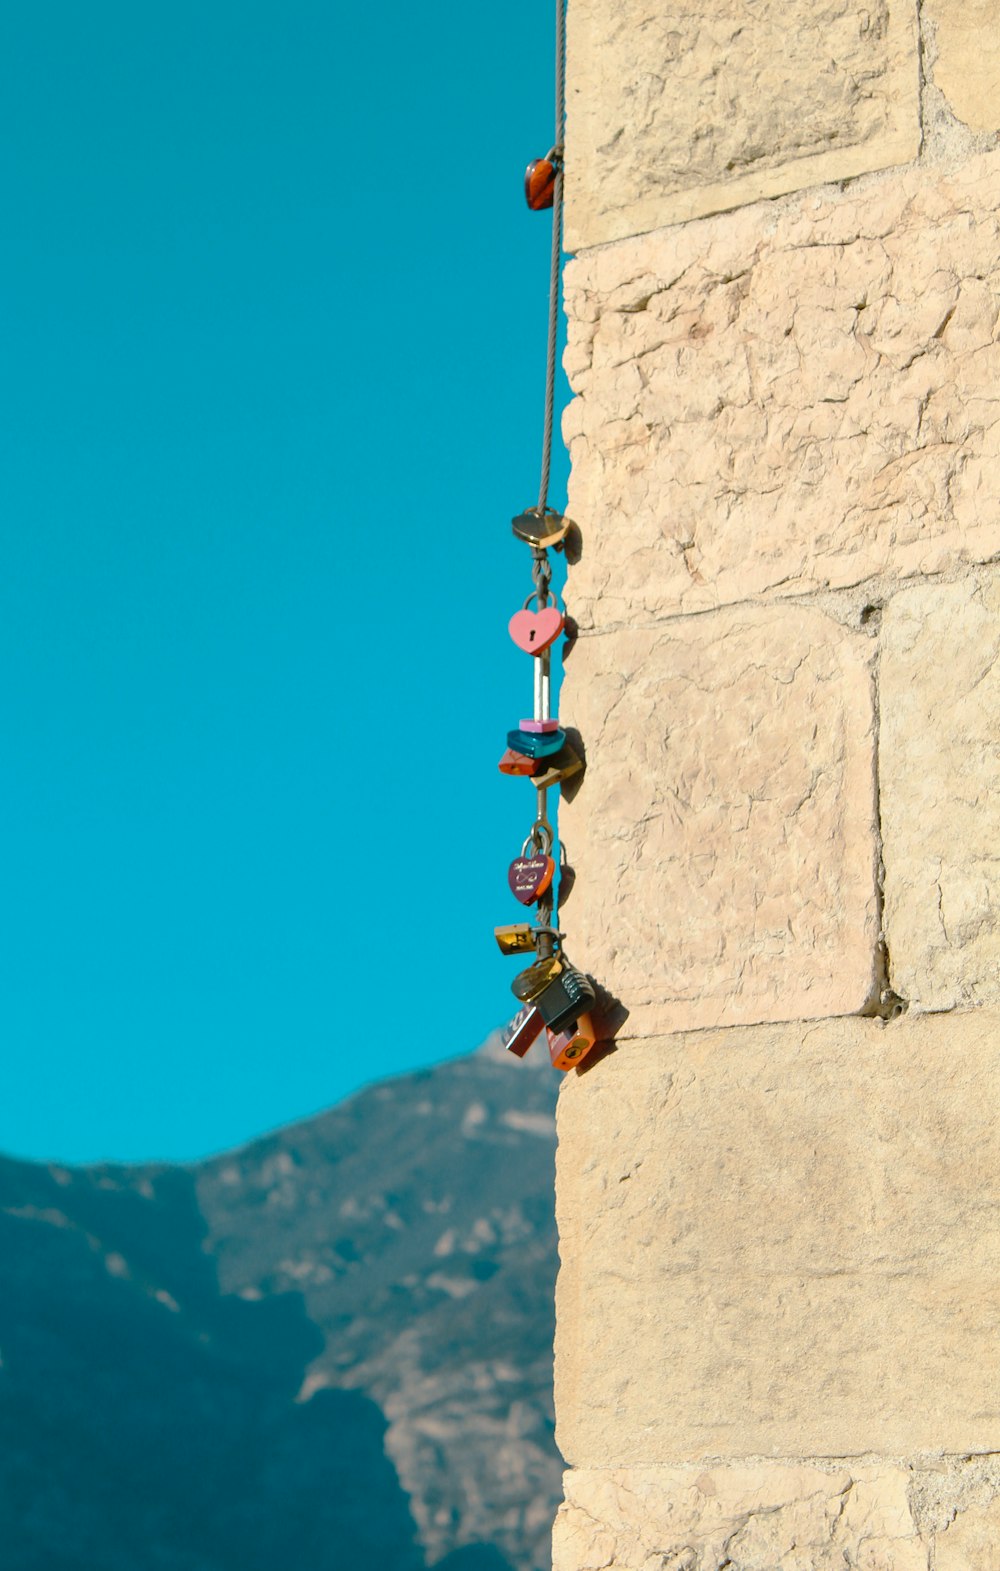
[
  {"x": 536, "y": 594},
  {"x": 553, "y": 933},
  {"x": 541, "y": 837}
]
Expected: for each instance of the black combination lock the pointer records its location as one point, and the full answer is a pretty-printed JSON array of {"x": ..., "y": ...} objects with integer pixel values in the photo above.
[{"x": 565, "y": 998}]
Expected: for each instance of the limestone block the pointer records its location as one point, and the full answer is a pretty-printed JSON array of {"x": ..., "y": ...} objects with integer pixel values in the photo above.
[
  {"x": 966, "y": 49},
  {"x": 939, "y": 766},
  {"x": 695, "y": 106},
  {"x": 723, "y": 840},
  {"x": 971, "y": 1542},
  {"x": 782, "y": 1241},
  {"x": 789, "y": 399},
  {"x": 819, "y": 1516}
]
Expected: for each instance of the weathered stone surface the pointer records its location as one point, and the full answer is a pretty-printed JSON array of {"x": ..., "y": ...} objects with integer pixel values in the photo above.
[
  {"x": 787, "y": 399},
  {"x": 971, "y": 1542},
  {"x": 939, "y": 691},
  {"x": 965, "y": 47},
  {"x": 825, "y": 1516},
  {"x": 723, "y": 839},
  {"x": 782, "y": 1241},
  {"x": 695, "y": 106}
]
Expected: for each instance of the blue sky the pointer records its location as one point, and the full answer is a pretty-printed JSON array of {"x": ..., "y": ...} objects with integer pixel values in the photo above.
[{"x": 273, "y": 356}]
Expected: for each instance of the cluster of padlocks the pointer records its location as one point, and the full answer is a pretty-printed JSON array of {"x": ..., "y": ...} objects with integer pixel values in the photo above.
[{"x": 554, "y": 996}]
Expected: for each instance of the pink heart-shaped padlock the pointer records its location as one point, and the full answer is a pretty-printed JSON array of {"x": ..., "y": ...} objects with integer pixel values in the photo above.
[{"x": 534, "y": 631}]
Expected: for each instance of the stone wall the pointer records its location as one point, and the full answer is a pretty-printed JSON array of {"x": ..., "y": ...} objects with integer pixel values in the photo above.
[{"x": 779, "y": 1197}]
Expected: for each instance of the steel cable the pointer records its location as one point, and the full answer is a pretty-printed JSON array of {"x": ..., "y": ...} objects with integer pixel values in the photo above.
[
  {"x": 541, "y": 571},
  {"x": 556, "y": 258}
]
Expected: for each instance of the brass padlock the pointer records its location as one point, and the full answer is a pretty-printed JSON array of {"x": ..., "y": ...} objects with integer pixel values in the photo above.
[
  {"x": 561, "y": 766},
  {"x": 530, "y": 983},
  {"x": 517, "y": 938},
  {"x": 543, "y": 529},
  {"x": 570, "y": 1047}
]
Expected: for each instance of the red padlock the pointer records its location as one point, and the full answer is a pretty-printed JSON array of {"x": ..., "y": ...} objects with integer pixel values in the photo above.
[
  {"x": 540, "y": 183},
  {"x": 513, "y": 763}
]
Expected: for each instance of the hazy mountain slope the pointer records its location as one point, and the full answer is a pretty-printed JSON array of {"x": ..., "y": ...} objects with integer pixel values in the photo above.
[{"x": 196, "y": 1362}]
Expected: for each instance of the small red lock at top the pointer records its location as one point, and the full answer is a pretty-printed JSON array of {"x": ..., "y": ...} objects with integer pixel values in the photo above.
[{"x": 540, "y": 181}]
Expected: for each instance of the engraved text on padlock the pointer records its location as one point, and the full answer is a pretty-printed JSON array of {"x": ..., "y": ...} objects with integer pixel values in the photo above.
[
  {"x": 525, "y": 1028},
  {"x": 517, "y": 938}
]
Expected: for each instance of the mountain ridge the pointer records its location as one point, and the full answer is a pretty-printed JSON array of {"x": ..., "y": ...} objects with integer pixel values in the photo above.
[{"x": 362, "y": 1295}]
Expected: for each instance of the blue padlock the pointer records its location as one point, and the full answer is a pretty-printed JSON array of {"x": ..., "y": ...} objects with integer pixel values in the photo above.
[{"x": 534, "y": 744}]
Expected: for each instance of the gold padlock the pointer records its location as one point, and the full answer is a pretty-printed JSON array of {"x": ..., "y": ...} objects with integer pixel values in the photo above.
[
  {"x": 528, "y": 984},
  {"x": 561, "y": 766},
  {"x": 518, "y": 938},
  {"x": 541, "y": 527}
]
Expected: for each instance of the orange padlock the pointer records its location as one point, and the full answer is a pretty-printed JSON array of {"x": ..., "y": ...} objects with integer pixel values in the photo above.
[
  {"x": 514, "y": 763},
  {"x": 569, "y": 1047},
  {"x": 540, "y": 183}
]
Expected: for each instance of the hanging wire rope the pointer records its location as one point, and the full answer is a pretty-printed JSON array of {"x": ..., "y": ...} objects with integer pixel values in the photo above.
[
  {"x": 541, "y": 570},
  {"x": 556, "y": 997},
  {"x": 556, "y": 155}
]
